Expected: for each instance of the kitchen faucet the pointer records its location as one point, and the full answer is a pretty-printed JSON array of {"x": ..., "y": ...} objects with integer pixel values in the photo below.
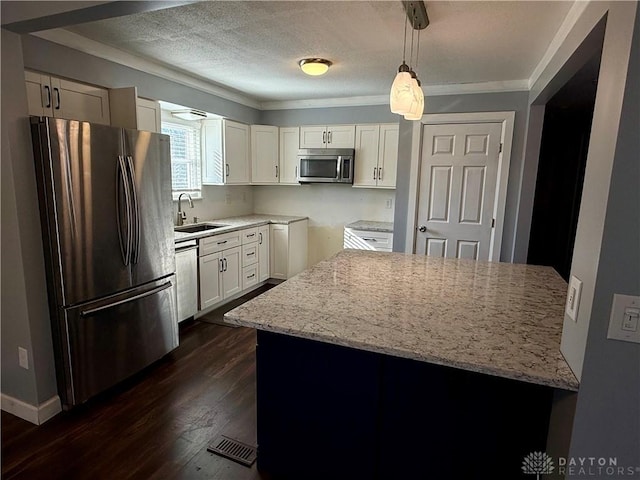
[{"x": 182, "y": 215}]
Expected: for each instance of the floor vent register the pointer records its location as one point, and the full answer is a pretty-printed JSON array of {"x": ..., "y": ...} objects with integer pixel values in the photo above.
[{"x": 233, "y": 450}]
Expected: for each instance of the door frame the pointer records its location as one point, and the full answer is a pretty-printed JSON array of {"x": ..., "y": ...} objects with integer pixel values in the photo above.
[{"x": 507, "y": 119}]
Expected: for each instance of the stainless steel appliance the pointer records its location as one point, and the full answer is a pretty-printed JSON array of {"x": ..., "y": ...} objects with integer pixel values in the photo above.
[
  {"x": 187, "y": 278},
  {"x": 325, "y": 165},
  {"x": 106, "y": 211}
]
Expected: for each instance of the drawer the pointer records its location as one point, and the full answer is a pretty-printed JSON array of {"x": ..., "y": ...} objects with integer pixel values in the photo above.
[
  {"x": 249, "y": 276},
  {"x": 366, "y": 240},
  {"x": 249, "y": 254},
  {"x": 217, "y": 243},
  {"x": 249, "y": 235}
]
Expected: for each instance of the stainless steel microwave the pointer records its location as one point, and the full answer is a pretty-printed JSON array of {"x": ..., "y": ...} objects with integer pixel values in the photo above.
[{"x": 325, "y": 165}]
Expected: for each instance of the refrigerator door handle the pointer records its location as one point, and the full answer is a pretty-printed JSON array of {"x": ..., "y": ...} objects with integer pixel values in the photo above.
[
  {"x": 121, "y": 185},
  {"x": 153, "y": 291},
  {"x": 135, "y": 213}
]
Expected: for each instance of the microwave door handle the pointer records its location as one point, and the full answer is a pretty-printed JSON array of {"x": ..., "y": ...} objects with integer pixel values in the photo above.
[{"x": 339, "y": 168}]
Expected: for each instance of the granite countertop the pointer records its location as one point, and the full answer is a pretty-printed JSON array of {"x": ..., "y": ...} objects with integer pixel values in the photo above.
[
  {"x": 500, "y": 319},
  {"x": 371, "y": 226},
  {"x": 232, "y": 224}
]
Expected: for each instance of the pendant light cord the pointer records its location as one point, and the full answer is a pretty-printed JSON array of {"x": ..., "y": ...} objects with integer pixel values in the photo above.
[
  {"x": 412, "y": 30},
  {"x": 418, "y": 49},
  {"x": 404, "y": 44}
]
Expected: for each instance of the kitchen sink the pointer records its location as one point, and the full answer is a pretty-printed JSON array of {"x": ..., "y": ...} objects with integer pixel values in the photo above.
[{"x": 197, "y": 228}]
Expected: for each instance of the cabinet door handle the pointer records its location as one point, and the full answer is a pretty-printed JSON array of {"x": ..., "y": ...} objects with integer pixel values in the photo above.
[
  {"x": 57, "y": 90},
  {"x": 276, "y": 171},
  {"x": 296, "y": 172},
  {"x": 324, "y": 137},
  {"x": 329, "y": 137},
  {"x": 48, "y": 90},
  {"x": 375, "y": 172},
  {"x": 380, "y": 173},
  {"x": 220, "y": 266},
  {"x": 226, "y": 166},
  {"x": 225, "y": 264},
  {"x": 260, "y": 235}
]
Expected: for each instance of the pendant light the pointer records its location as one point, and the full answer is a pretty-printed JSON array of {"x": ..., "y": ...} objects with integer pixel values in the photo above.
[
  {"x": 401, "y": 91},
  {"x": 416, "y": 109},
  {"x": 407, "y": 97}
]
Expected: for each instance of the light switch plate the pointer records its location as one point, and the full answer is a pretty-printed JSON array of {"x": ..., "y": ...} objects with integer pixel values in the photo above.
[
  {"x": 624, "y": 323},
  {"x": 573, "y": 298}
]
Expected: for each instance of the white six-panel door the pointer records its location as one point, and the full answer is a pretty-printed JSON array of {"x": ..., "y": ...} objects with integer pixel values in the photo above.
[{"x": 458, "y": 176}]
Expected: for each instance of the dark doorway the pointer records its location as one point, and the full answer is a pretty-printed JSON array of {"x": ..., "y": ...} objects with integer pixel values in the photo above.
[{"x": 563, "y": 157}]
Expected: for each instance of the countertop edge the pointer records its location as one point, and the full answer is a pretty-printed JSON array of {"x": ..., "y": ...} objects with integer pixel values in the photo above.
[
  {"x": 498, "y": 372},
  {"x": 233, "y": 228}
]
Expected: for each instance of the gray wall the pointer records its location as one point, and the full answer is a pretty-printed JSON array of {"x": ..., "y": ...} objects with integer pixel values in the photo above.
[
  {"x": 607, "y": 420},
  {"x": 25, "y": 314},
  {"x": 481, "y": 102},
  {"x": 44, "y": 56},
  {"x": 329, "y": 116}
]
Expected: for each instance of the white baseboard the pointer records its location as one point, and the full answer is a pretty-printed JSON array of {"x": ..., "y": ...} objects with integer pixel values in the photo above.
[{"x": 36, "y": 415}]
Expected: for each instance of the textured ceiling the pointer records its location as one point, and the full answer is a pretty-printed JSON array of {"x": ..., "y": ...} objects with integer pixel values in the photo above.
[{"x": 253, "y": 47}]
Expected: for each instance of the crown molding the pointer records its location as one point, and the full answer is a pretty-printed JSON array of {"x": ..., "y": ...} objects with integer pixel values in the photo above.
[
  {"x": 429, "y": 91},
  {"x": 97, "y": 49},
  {"x": 574, "y": 13}
]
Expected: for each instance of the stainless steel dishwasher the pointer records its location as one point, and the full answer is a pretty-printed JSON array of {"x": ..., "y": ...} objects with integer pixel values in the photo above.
[{"x": 187, "y": 278}]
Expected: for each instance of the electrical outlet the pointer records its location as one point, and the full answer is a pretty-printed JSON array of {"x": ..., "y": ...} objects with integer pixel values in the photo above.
[
  {"x": 573, "y": 298},
  {"x": 23, "y": 358},
  {"x": 389, "y": 203},
  {"x": 624, "y": 323}
]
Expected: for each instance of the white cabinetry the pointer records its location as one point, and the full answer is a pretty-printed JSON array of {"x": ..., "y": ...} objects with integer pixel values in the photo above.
[
  {"x": 368, "y": 240},
  {"x": 330, "y": 136},
  {"x": 264, "y": 271},
  {"x": 54, "y": 97},
  {"x": 219, "y": 268},
  {"x": 264, "y": 155},
  {"x": 225, "y": 147},
  {"x": 289, "y": 145},
  {"x": 130, "y": 111},
  {"x": 376, "y": 156},
  {"x": 288, "y": 246}
]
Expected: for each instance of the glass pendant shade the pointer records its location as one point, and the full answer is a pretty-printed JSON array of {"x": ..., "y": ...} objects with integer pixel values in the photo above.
[
  {"x": 401, "y": 94},
  {"x": 417, "y": 106}
]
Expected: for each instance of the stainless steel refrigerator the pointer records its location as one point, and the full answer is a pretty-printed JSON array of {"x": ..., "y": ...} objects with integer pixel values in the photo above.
[{"x": 106, "y": 210}]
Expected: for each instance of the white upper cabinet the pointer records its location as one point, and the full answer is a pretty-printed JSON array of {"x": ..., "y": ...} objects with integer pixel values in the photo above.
[
  {"x": 330, "y": 136},
  {"x": 265, "y": 168},
  {"x": 130, "y": 111},
  {"x": 55, "y": 97},
  {"x": 376, "y": 157},
  {"x": 225, "y": 147},
  {"x": 289, "y": 145}
]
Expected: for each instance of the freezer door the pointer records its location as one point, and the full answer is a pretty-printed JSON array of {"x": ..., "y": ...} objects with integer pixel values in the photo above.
[
  {"x": 114, "y": 338},
  {"x": 80, "y": 178},
  {"x": 149, "y": 164}
]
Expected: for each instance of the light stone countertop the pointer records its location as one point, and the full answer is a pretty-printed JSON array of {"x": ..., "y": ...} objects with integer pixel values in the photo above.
[
  {"x": 500, "y": 319},
  {"x": 232, "y": 224},
  {"x": 371, "y": 226}
]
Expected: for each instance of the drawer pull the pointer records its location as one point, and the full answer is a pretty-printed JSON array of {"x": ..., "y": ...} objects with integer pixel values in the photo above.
[
  {"x": 250, "y": 235},
  {"x": 370, "y": 240},
  {"x": 222, "y": 242},
  {"x": 250, "y": 253},
  {"x": 251, "y": 276}
]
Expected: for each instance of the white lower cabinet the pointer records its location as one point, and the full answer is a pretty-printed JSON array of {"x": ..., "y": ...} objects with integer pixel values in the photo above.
[
  {"x": 264, "y": 271},
  {"x": 288, "y": 246},
  {"x": 220, "y": 276},
  {"x": 368, "y": 240}
]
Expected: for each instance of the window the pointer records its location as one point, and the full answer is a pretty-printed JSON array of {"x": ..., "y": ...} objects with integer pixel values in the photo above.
[{"x": 186, "y": 173}]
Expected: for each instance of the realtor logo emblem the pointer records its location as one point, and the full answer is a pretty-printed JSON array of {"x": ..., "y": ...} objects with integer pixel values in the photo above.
[{"x": 537, "y": 463}]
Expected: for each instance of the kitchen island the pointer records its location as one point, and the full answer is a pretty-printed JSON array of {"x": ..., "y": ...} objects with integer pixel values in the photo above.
[{"x": 386, "y": 365}]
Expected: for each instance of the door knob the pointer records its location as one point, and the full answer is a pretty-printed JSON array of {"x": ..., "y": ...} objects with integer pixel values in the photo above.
[{"x": 422, "y": 228}]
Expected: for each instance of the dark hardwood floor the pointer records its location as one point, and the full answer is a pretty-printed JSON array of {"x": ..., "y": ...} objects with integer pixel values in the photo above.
[{"x": 156, "y": 425}]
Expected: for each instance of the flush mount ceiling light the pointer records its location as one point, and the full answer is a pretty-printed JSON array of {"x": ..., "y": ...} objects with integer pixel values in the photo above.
[
  {"x": 190, "y": 114},
  {"x": 314, "y": 66},
  {"x": 406, "y": 97}
]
